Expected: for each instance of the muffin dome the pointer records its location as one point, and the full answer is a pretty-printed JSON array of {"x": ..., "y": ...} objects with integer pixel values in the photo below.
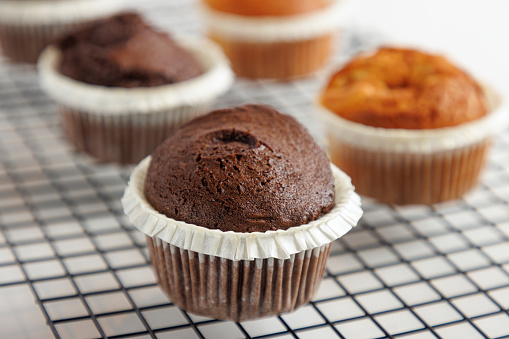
[
  {"x": 123, "y": 51},
  {"x": 403, "y": 88},
  {"x": 267, "y": 8},
  {"x": 242, "y": 169}
]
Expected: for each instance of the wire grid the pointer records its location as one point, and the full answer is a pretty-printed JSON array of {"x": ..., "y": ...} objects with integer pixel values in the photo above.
[{"x": 413, "y": 272}]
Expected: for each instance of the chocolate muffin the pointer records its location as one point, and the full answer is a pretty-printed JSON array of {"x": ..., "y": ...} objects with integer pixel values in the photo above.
[
  {"x": 269, "y": 199},
  {"x": 122, "y": 86},
  {"x": 242, "y": 169},
  {"x": 123, "y": 51}
]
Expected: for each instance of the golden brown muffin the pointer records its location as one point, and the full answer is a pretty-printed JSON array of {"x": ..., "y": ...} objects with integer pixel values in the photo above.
[
  {"x": 271, "y": 8},
  {"x": 408, "y": 127},
  {"x": 281, "y": 39},
  {"x": 403, "y": 88}
]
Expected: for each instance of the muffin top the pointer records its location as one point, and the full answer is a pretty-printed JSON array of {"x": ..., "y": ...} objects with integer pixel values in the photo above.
[
  {"x": 403, "y": 88},
  {"x": 267, "y": 8},
  {"x": 242, "y": 169},
  {"x": 123, "y": 51}
]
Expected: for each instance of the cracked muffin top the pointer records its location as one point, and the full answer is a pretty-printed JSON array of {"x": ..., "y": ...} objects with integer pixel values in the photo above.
[{"x": 242, "y": 169}]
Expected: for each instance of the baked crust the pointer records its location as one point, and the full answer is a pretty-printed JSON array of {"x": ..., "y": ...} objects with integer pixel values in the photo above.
[
  {"x": 242, "y": 169},
  {"x": 404, "y": 88},
  {"x": 267, "y": 8},
  {"x": 124, "y": 51}
]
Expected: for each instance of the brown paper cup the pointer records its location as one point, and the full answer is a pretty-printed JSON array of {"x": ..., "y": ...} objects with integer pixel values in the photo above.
[
  {"x": 278, "y": 60},
  {"x": 24, "y": 43},
  {"x": 406, "y": 178},
  {"x": 237, "y": 290},
  {"x": 127, "y": 138},
  {"x": 27, "y": 27}
]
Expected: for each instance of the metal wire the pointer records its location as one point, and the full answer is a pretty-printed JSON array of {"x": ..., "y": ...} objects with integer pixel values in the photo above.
[{"x": 435, "y": 272}]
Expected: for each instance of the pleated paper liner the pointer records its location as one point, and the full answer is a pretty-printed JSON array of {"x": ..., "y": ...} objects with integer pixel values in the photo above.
[
  {"x": 280, "y": 47},
  {"x": 27, "y": 27},
  {"x": 280, "y": 60},
  {"x": 237, "y": 290},
  {"x": 239, "y": 276},
  {"x": 405, "y": 178},
  {"x": 127, "y": 138},
  {"x": 414, "y": 166},
  {"x": 124, "y": 125}
]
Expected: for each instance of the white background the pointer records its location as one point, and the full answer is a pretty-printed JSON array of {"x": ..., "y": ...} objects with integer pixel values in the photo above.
[{"x": 473, "y": 33}]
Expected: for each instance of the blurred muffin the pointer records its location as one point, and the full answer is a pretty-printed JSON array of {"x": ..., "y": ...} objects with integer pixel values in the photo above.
[
  {"x": 26, "y": 27},
  {"x": 123, "y": 86},
  {"x": 278, "y": 39},
  {"x": 267, "y": 8},
  {"x": 235, "y": 200},
  {"x": 407, "y": 126},
  {"x": 124, "y": 51}
]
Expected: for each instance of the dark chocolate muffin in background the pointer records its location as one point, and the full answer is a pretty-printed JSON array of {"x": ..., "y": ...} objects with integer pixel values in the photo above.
[
  {"x": 123, "y": 51},
  {"x": 242, "y": 169},
  {"x": 123, "y": 86}
]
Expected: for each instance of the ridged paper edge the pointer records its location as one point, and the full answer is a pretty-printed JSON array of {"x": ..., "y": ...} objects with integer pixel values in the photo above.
[{"x": 279, "y": 244}]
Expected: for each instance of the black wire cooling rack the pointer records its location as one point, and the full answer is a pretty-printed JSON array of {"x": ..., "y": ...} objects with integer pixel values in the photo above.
[{"x": 405, "y": 272}]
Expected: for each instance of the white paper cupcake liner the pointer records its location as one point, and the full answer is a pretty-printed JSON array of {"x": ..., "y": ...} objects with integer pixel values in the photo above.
[
  {"x": 279, "y": 244},
  {"x": 268, "y": 29},
  {"x": 420, "y": 141},
  {"x": 215, "y": 81},
  {"x": 48, "y": 12}
]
